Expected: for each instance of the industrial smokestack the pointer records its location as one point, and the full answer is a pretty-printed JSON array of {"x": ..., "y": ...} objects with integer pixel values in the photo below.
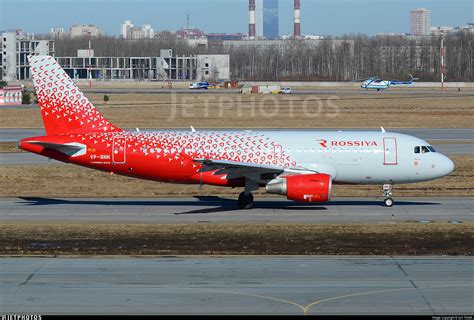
[
  {"x": 297, "y": 32},
  {"x": 252, "y": 31}
]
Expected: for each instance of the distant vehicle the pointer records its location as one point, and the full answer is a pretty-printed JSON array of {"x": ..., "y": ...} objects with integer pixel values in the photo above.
[
  {"x": 376, "y": 83},
  {"x": 199, "y": 85},
  {"x": 285, "y": 90},
  {"x": 215, "y": 85}
]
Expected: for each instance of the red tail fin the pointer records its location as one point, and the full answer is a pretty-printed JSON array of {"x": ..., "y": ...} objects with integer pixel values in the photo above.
[{"x": 65, "y": 109}]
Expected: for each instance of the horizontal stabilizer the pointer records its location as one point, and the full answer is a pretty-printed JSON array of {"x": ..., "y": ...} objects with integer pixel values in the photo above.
[{"x": 72, "y": 149}]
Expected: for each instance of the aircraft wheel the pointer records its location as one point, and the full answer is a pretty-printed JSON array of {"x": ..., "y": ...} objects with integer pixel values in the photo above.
[
  {"x": 388, "y": 202},
  {"x": 245, "y": 201}
]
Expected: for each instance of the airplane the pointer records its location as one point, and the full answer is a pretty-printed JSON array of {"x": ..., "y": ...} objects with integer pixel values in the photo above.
[
  {"x": 301, "y": 165},
  {"x": 199, "y": 85},
  {"x": 379, "y": 84}
]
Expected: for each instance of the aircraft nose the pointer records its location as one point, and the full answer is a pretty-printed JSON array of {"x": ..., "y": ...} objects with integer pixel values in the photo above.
[{"x": 446, "y": 166}]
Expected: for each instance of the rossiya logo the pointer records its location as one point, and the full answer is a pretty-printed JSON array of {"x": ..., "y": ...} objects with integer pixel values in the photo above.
[
  {"x": 323, "y": 143},
  {"x": 348, "y": 143}
]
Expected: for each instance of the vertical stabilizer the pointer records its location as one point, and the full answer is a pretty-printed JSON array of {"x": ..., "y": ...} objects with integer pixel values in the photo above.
[{"x": 65, "y": 109}]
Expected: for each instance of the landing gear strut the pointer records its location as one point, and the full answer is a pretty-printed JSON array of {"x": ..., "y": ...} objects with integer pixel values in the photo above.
[
  {"x": 246, "y": 197},
  {"x": 387, "y": 192}
]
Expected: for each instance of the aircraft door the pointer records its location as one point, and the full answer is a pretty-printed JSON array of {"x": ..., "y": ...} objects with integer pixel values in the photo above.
[
  {"x": 119, "y": 150},
  {"x": 390, "y": 151},
  {"x": 278, "y": 152}
]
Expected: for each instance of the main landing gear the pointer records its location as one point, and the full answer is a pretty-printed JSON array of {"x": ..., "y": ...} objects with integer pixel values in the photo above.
[
  {"x": 387, "y": 192},
  {"x": 245, "y": 201},
  {"x": 246, "y": 197}
]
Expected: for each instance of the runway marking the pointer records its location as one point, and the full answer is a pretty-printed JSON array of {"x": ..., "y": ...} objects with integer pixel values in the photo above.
[
  {"x": 256, "y": 296},
  {"x": 380, "y": 291}
]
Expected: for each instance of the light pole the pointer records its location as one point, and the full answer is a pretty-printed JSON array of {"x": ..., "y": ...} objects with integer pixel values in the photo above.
[
  {"x": 442, "y": 52},
  {"x": 89, "y": 69}
]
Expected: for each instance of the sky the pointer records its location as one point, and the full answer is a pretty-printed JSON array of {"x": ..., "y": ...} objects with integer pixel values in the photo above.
[{"x": 322, "y": 17}]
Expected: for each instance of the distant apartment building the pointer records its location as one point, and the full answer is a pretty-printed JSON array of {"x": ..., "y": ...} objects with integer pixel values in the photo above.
[
  {"x": 442, "y": 30},
  {"x": 467, "y": 28},
  {"x": 420, "y": 22},
  {"x": 270, "y": 19},
  {"x": 16, "y": 47},
  {"x": 84, "y": 30},
  {"x": 58, "y": 33},
  {"x": 128, "y": 31},
  {"x": 445, "y": 30}
]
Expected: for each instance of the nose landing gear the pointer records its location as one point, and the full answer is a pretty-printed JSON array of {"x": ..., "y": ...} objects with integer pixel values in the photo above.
[{"x": 387, "y": 192}]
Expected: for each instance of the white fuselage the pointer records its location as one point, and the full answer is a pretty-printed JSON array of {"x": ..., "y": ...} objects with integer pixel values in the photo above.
[{"x": 362, "y": 157}]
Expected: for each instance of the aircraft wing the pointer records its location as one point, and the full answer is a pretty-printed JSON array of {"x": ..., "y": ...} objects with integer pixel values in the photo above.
[
  {"x": 252, "y": 171},
  {"x": 71, "y": 149},
  {"x": 235, "y": 170}
]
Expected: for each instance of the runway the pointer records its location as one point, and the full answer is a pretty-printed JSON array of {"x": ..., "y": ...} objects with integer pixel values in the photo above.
[
  {"x": 311, "y": 285},
  {"x": 220, "y": 210},
  {"x": 25, "y": 159}
]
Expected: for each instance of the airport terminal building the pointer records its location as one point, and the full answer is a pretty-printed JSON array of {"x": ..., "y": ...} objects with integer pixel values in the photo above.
[{"x": 16, "y": 48}]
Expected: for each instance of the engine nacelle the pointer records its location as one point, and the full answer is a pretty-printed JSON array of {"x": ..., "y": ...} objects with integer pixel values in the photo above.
[{"x": 303, "y": 188}]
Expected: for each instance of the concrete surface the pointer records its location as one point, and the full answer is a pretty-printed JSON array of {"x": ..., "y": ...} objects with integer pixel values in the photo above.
[
  {"x": 219, "y": 210},
  {"x": 25, "y": 159},
  {"x": 238, "y": 285}
]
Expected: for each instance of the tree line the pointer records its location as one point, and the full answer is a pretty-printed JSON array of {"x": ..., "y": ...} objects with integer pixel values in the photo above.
[{"x": 349, "y": 57}]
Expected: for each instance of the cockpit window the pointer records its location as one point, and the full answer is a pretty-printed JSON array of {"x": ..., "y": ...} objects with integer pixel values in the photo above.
[{"x": 424, "y": 149}]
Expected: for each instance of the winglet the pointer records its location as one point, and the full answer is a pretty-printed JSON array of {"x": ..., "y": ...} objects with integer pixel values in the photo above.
[
  {"x": 383, "y": 129},
  {"x": 192, "y": 129}
]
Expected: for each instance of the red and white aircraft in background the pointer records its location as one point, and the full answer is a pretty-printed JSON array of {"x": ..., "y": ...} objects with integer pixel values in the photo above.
[{"x": 301, "y": 165}]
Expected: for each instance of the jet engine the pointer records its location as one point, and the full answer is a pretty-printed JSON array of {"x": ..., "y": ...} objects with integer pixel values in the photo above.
[{"x": 302, "y": 188}]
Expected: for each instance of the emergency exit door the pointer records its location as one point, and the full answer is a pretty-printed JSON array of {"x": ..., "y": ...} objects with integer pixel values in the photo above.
[
  {"x": 390, "y": 151},
  {"x": 119, "y": 150}
]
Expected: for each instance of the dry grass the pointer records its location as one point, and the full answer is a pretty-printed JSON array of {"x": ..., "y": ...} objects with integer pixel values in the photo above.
[
  {"x": 451, "y": 110},
  {"x": 72, "y": 181},
  {"x": 232, "y": 239}
]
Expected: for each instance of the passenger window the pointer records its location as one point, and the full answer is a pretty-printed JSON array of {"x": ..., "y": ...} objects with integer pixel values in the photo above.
[
  {"x": 424, "y": 149},
  {"x": 417, "y": 149}
]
